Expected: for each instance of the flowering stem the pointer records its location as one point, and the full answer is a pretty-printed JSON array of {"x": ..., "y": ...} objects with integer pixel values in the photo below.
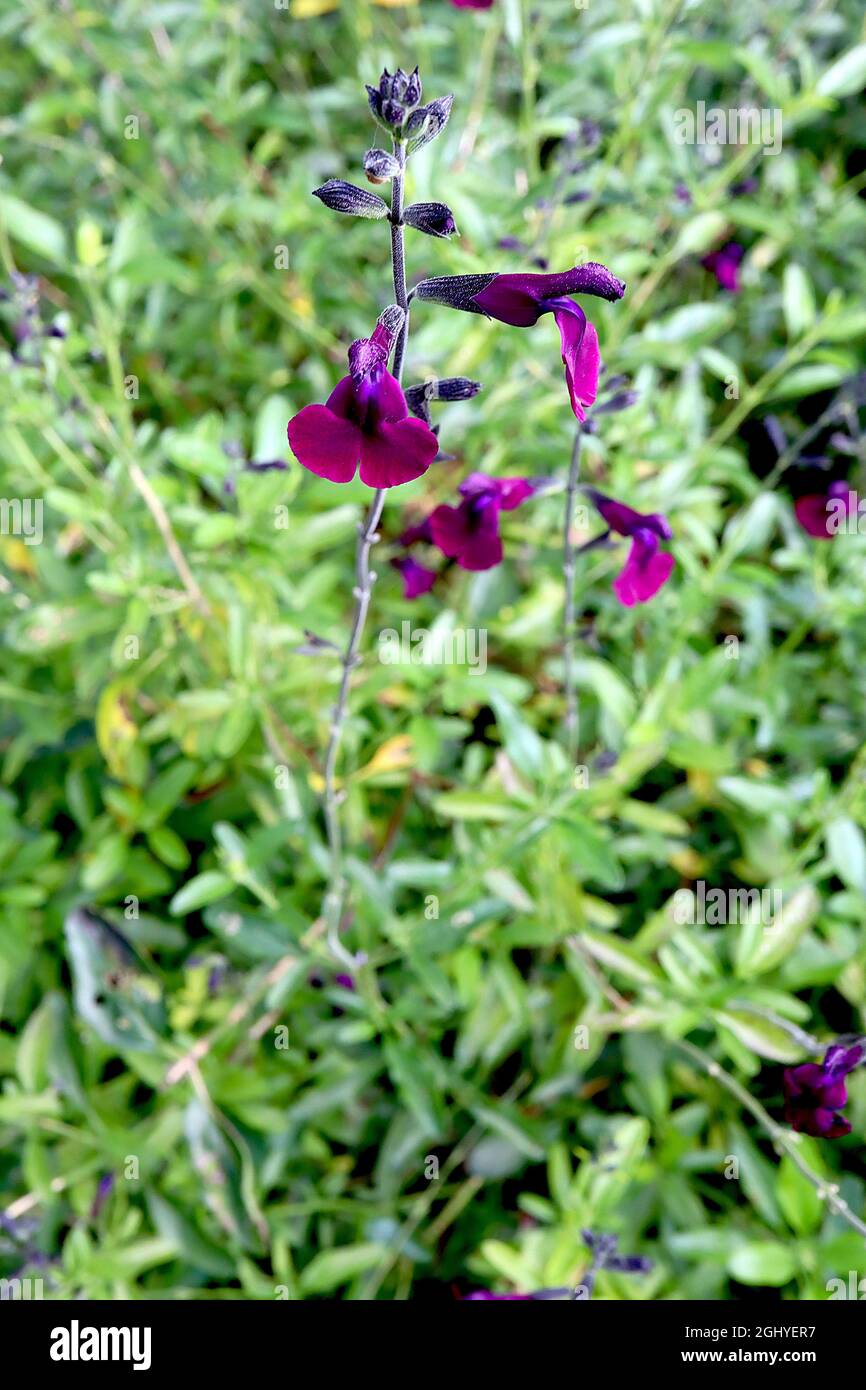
[
  {"x": 364, "y": 579},
  {"x": 784, "y": 1140},
  {"x": 398, "y": 256},
  {"x": 572, "y": 725}
]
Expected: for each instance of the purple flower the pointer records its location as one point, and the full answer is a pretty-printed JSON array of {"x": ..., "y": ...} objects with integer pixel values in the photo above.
[
  {"x": 821, "y": 513},
  {"x": 647, "y": 567},
  {"x": 469, "y": 532},
  {"x": 103, "y": 1192},
  {"x": 417, "y": 579},
  {"x": 815, "y": 1092},
  {"x": 522, "y": 298},
  {"x": 420, "y": 532},
  {"x": 725, "y": 265},
  {"x": 365, "y": 420},
  {"x": 478, "y": 5}
]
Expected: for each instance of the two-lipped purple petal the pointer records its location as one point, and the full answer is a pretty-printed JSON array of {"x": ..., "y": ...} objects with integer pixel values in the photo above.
[
  {"x": 365, "y": 422},
  {"x": 645, "y": 571},
  {"x": 647, "y": 567},
  {"x": 580, "y": 354},
  {"x": 469, "y": 532},
  {"x": 417, "y": 578}
]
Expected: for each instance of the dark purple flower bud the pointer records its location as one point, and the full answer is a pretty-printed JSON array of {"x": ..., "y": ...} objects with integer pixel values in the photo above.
[
  {"x": 629, "y": 1264},
  {"x": 379, "y": 166},
  {"x": 412, "y": 94},
  {"x": 394, "y": 114},
  {"x": 417, "y": 398},
  {"x": 353, "y": 202},
  {"x": 681, "y": 193},
  {"x": 375, "y": 102},
  {"x": 427, "y": 122},
  {"x": 455, "y": 291},
  {"x": 620, "y": 400},
  {"x": 265, "y": 466},
  {"x": 433, "y": 218},
  {"x": 455, "y": 388},
  {"x": 744, "y": 187},
  {"x": 394, "y": 87}
]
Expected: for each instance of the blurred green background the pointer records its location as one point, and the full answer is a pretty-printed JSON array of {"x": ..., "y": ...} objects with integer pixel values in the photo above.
[{"x": 193, "y": 1105}]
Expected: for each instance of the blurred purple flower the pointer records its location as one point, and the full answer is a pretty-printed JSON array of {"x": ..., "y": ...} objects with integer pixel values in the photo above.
[
  {"x": 472, "y": 4},
  {"x": 815, "y": 1092},
  {"x": 469, "y": 532},
  {"x": 365, "y": 420},
  {"x": 647, "y": 567},
  {"x": 103, "y": 1192},
  {"x": 821, "y": 513},
  {"x": 417, "y": 579},
  {"x": 725, "y": 265}
]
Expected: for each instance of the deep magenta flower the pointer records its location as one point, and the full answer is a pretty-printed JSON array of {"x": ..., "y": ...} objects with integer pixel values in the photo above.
[
  {"x": 469, "y": 532},
  {"x": 417, "y": 578},
  {"x": 725, "y": 265},
  {"x": 474, "y": 5},
  {"x": 822, "y": 513},
  {"x": 647, "y": 567},
  {"x": 365, "y": 420},
  {"x": 522, "y": 298},
  {"x": 815, "y": 1092}
]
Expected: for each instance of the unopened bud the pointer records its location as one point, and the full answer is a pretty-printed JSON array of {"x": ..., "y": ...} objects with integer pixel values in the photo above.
[
  {"x": 427, "y": 122},
  {"x": 353, "y": 202},
  {"x": 380, "y": 166},
  {"x": 436, "y": 219}
]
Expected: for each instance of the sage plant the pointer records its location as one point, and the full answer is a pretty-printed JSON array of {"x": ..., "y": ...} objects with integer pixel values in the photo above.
[{"x": 371, "y": 427}]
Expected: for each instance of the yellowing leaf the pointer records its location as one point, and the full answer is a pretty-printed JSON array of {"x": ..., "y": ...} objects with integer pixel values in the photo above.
[
  {"x": 116, "y": 731},
  {"x": 308, "y": 9},
  {"x": 395, "y": 755}
]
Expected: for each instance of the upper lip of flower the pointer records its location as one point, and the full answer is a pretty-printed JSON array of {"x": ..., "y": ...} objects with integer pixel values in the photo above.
[{"x": 520, "y": 298}]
